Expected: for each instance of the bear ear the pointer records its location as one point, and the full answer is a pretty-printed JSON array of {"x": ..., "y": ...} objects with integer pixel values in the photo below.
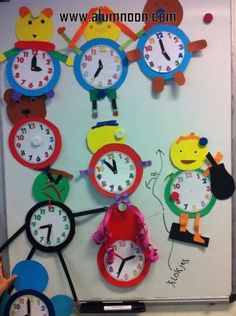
[
  {"x": 8, "y": 96},
  {"x": 23, "y": 11},
  {"x": 47, "y": 12}
]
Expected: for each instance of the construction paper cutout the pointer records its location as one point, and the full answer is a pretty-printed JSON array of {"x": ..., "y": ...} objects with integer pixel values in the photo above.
[
  {"x": 101, "y": 135},
  {"x": 187, "y": 154},
  {"x": 179, "y": 78},
  {"x": 30, "y": 28},
  {"x": 158, "y": 84},
  {"x": 99, "y": 17},
  {"x": 25, "y": 107},
  {"x": 63, "y": 305},
  {"x": 166, "y": 12},
  {"x": 102, "y": 29},
  {"x": 197, "y": 46},
  {"x": 186, "y": 236},
  {"x": 3, "y": 301},
  {"x": 31, "y": 275},
  {"x": 208, "y": 18},
  {"x": 134, "y": 55},
  {"x": 222, "y": 183},
  {"x": 50, "y": 186},
  {"x": 218, "y": 158}
]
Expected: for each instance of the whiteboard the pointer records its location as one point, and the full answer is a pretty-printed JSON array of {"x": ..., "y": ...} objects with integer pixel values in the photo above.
[{"x": 202, "y": 105}]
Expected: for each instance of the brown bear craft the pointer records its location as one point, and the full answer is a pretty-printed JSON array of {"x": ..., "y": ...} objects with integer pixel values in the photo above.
[
  {"x": 24, "y": 107},
  {"x": 164, "y": 8}
]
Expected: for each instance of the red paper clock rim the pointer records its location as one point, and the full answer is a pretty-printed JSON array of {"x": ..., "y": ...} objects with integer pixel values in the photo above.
[
  {"x": 126, "y": 150},
  {"x": 58, "y": 143},
  {"x": 108, "y": 278}
]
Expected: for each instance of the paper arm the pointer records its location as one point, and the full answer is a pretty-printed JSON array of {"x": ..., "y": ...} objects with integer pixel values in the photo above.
[
  {"x": 68, "y": 60},
  {"x": 196, "y": 46},
  {"x": 8, "y": 54}
]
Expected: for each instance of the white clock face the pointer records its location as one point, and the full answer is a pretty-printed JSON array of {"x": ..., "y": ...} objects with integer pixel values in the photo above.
[
  {"x": 194, "y": 191},
  {"x": 50, "y": 225},
  {"x": 32, "y": 69},
  {"x": 163, "y": 52},
  {"x": 129, "y": 261},
  {"x": 115, "y": 172},
  {"x": 34, "y": 142},
  {"x": 101, "y": 66},
  {"x": 27, "y": 305}
]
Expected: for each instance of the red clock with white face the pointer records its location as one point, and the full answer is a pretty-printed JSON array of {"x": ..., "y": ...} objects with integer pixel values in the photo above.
[
  {"x": 35, "y": 142},
  {"x": 129, "y": 267},
  {"x": 117, "y": 169}
]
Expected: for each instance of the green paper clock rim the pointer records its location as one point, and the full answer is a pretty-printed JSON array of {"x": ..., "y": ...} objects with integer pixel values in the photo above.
[{"x": 179, "y": 211}]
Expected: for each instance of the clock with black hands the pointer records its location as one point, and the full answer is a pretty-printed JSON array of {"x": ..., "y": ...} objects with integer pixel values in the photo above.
[
  {"x": 164, "y": 51},
  {"x": 29, "y": 303},
  {"x": 101, "y": 65},
  {"x": 50, "y": 226},
  {"x": 129, "y": 267},
  {"x": 116, "y": 169}
]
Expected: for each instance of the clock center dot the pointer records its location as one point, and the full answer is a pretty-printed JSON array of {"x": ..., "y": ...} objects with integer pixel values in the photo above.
[{"x": 36, "y": 141}]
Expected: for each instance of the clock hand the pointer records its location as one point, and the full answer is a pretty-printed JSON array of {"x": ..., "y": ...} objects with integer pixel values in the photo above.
[
  {"x": 100, "y": 66},
  {"x": 34, "y": 66},
  {"x": 118, "y": 256},
  {"x": 49, "y": 233},
  {"x": 49, "y": 226},
  {"x": 120, "y": 268},
  {"x": 129, "y": 258},
  {"x": 28, "y": 308},
  {"x": 112, "y": 167},
  {"x": 163, "y": 50}
]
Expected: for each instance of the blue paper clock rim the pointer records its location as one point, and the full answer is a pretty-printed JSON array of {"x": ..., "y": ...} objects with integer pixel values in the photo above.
[
  {"x": 31, "y": 275},
  {"x": 174, "y": 208},
  {"x": 160, "y": 28},
  {"x": 95, "y": 42},
  {"x": 37, "y": 92},
  {"x": 41, "y": 296}
]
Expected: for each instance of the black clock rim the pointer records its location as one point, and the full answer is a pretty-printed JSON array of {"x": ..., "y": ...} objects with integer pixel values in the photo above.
[
  {"x": 36, "y": 244},
  {"x": 40, "y": 295}
]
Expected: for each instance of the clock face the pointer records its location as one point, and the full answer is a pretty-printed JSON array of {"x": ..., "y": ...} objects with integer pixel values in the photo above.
[
  {"x": 33, "y": 72},
  {"x": 50, "y": 226},
  {"x": 129, "y": 266},
  {"x": 35, "y": 142},
  {"x": 189, "y": 192},
  {"x": 168, "y": 47},
  {"x": 164, "y": 51},
  {"x": 101, "y": 66},
  {"x": 29, "y": 302},
  {"x": 117, "y": 169}
]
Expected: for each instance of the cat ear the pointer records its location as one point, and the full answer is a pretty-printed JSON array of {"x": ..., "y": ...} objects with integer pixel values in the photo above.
[
  {"x": 23, "y": 11},
  {"x": 47, "y": 12}
]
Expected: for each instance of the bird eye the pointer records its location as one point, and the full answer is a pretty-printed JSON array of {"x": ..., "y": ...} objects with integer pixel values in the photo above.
[
  {"x": 195, "y": 151},
  {"x": 42, "y": 21},
  {"x": 181, "y": 151},
  {"x": 30, "y": 22}
]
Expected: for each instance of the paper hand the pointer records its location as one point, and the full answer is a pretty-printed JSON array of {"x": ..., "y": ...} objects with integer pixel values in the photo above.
[
  {"x": 100, "y": 66},
  {"x": 34, "y": 66},
  {"x": 49, "y": 226},
  {"x": 112, "y": 167},
  {"x": 163, "y": 50}
]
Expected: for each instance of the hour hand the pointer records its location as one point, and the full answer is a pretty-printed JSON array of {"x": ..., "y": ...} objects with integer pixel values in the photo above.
[{"x": 120, "y": 268}]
